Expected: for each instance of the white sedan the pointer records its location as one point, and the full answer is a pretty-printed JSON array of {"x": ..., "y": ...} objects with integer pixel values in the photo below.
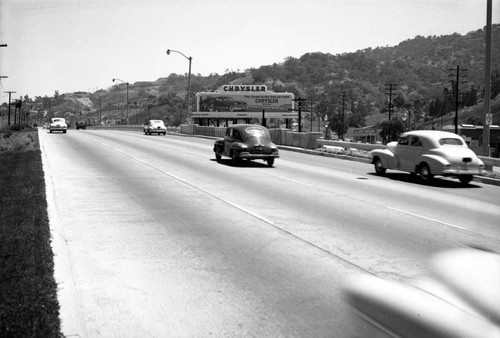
[
  {"x": 155, "y": 127},
  {"x": 58, "y": 124},
  {"x": 428, "y": 153}
]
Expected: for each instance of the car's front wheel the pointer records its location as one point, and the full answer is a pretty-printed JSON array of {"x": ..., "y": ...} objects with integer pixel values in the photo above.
[
  {"x": 270, "y": 162},
  {"x": 464, "y": 179},
  {"x": 217, "y": 156},
  {"x": 425, "y": 173},
  {"x": 379, "y": 168}
]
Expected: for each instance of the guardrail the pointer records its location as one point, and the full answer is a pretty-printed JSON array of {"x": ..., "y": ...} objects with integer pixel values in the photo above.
[{"x": 490, "y": 162}]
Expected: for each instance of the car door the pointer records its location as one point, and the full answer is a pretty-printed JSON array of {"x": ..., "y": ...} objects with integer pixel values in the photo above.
[
  {"x": 227, "y": 141},
  {"x": 410, "y": 157}
]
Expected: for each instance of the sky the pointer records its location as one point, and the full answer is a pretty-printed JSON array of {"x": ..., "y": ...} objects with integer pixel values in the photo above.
[{"x": 81, "y": 45}]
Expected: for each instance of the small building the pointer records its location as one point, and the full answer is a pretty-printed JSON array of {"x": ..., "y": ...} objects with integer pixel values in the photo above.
[{"x": 368, "y": 134}]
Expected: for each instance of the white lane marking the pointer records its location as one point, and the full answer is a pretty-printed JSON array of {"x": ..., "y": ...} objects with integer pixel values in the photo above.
[
  {"x": 251, "y": 213},
  {"x": 427, "y": 218}
]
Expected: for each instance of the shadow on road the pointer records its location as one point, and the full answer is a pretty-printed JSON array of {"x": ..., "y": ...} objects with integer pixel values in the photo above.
[
  {"x": 439, "y": 182},
  {"x": 243, "y": 163}
]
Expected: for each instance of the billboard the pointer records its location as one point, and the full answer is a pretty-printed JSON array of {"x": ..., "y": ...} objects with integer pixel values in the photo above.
[{"x": 246, "y": 103}]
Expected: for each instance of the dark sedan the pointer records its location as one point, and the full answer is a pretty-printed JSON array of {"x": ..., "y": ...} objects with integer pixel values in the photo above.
[{"x": 246, "y": 141}]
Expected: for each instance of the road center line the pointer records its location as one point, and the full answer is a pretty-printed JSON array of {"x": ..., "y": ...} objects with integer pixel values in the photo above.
[{"x": 427, "y": 218}]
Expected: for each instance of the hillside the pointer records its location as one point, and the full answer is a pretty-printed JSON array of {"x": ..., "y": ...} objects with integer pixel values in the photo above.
[{"x": 421, "y": 71}]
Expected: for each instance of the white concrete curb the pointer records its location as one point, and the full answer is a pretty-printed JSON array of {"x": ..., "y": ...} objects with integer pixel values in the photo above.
[{"x": 72, "y": 324}]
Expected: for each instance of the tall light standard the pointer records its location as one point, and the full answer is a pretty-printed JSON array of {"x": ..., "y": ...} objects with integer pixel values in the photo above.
[
  {"x": 189, "y": 80},
  {"x": 127, "y": 95}
]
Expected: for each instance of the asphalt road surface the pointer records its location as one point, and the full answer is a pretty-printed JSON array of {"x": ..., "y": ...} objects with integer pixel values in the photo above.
[{"x": 154, "y": 238}]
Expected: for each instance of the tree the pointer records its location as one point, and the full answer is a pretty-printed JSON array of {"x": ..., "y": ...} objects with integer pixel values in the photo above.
[
  {"x": 495, "y": 84},
  {"x": 335, "y": 124},
  {"x": 390, "y": 130}
]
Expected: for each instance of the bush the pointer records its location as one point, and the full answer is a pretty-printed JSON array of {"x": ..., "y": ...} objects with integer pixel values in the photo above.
[{"x": 16, "y": 127}]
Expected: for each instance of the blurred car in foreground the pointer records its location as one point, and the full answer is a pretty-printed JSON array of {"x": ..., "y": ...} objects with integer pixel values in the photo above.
[
  {"x": 155, "y": 127},
  {"x": 58, "y": 124},
  {"x": 428, "y": 153},
  {"x": 246, "y": 141},
  {"x": 459, "y": 298},
  {"x": 81, "y": 125}
]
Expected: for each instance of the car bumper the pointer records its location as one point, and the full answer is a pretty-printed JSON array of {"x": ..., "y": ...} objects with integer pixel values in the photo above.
[
  {"x": 249, "y": 156},
  {"x": 57, "y": 129},
  {"x": 161, "y": 131},
  {"x": 461, "y": 171}
]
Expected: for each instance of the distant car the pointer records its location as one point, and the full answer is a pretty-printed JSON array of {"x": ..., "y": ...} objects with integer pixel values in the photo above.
[
  {"x": 428, "y": 153},
  {"x": 155, "y": 127},
  {"x": 58, "y": 124},
  {"x": 246, "y": 141},
  {"x": 81, "y": 125},
  {"x": 223, "y": 103}
]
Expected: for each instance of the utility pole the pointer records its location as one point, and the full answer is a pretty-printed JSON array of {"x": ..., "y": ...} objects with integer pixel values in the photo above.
[
  {"x": 8, "y": 120},
  {"x": 487, "y": 85},
  {"x": 457, "y": 92},
  {"x": 343, "y": 115},
  {"x": 100, "y": 110},
  {"x": 311, "y": 110},
  {"x": 392, "y": 87},
  {"x": 300, "y": 100}
]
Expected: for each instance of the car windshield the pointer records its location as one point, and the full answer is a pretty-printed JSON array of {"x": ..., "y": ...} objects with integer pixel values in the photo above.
[
  {"x": 451, "y": 142},
  {"x": 156, "y": 122},
  {"x": 256, "y": 132}
]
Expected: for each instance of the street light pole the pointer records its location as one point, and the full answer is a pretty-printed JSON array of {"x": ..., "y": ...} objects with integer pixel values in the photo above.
[
  {"x": 189, "y": 80},
  {"x": 127, "y": 95}
]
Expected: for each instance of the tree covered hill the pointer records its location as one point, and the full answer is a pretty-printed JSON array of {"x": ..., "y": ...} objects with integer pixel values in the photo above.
[{"x": 422, "y": 71}]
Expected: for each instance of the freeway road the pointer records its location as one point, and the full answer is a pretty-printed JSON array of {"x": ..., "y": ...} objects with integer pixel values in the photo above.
[{"x": 153, "y": 237}]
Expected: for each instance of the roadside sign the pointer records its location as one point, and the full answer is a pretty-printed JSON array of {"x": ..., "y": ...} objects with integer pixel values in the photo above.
[{"x": 489, "y": 119}]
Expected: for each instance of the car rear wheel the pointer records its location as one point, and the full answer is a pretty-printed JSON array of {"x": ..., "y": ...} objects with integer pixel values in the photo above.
[
  {"x": 217, "y": 156},
  {"x": 425, "y": 173},
  {"x": 235, "y": 159},
  {"x": 270, "y": 162},
  {"x": 464, "y": 179},
  {"x": 379, "y": 168}
]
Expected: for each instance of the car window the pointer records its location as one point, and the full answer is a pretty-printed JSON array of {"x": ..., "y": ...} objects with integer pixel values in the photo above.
[
  {"x": 403, "y": 141},
  {"x": 236, "y": 134},
  {"x": 451, "y": 142},
  {"x": 255, "y": 132},
  {"x": 416, "y": 142}
]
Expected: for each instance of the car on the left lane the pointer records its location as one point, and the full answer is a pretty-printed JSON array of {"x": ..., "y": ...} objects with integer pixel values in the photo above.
[
  {"x": 58, "y": 124},
  {"x": 246, "y": 141},
  {"x": 155, "y": 127}
]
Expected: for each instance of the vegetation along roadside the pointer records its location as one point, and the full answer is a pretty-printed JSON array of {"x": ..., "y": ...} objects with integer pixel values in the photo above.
[{"x": 28, "y": 291}]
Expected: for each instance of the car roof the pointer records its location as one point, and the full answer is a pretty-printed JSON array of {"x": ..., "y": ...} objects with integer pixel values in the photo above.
[
  {"x": 434, "y": 134},
  {"x": 245, "y": 126}
]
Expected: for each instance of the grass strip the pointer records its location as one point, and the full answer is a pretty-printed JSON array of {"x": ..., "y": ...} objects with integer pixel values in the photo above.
[{"x": 28, "y": 291}]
